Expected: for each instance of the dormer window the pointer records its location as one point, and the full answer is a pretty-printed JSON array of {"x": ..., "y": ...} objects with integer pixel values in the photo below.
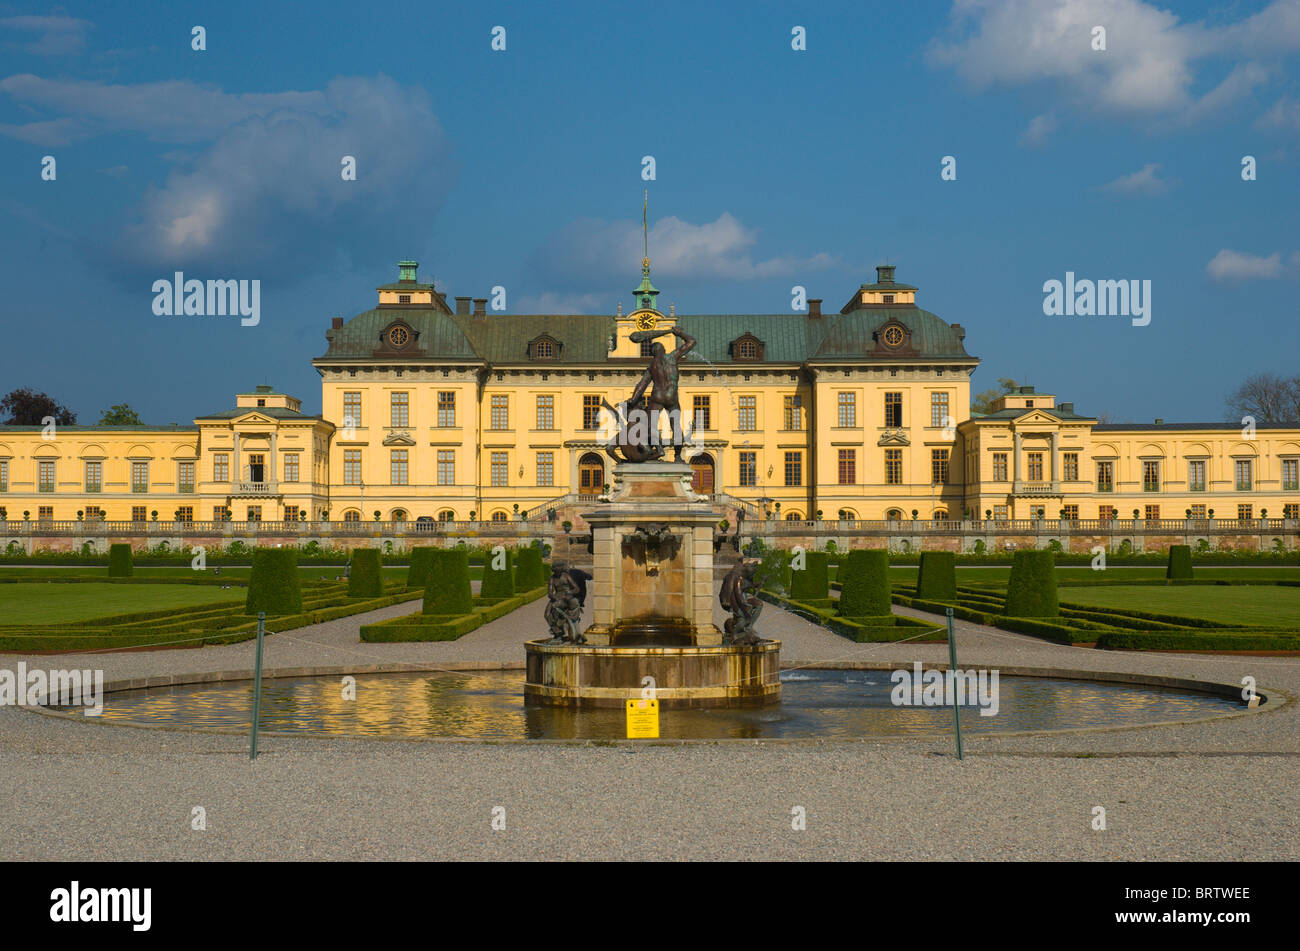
[
  {"x": 747, "y": 349},
  {"x": 544, "y": 347}
]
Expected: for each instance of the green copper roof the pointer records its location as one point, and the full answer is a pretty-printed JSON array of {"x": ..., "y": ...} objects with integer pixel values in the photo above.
[
  {"x": 851, "y": 335},
  {"x": 438, "y": 334}
]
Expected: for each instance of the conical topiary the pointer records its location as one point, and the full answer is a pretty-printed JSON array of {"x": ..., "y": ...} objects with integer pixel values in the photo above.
[
  {"x": 810, "y": 583},
  {"x": 119, "y": 561},
  {"x": 530, "y": 569},
  {"x": 937, "y": 579},
  {"x": 1180, "y": 563},
  {"x": 498, "y": 583},
  {"x": 421, "y": 557},
  {"x": 864, "y": 583},
  {"x": 1031, "y": 590}
]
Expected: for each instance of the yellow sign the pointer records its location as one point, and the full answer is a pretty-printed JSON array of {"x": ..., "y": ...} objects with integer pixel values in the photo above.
[{"x": 643, "y": 719}]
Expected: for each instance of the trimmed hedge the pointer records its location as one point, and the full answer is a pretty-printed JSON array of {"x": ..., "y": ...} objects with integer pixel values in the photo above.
[
  {"x": 119, "y": 561},
  {"x": 811, "y": 582},
  {"x": 937, "y": 580},
  {"x": 1198, "y": 641},
  {"x": 418, "y": 574},
  {"x": 418, "y": 627},
  {"x": 1031, "y": 589},
  {"x": 530, "y": 569},
  {"x": 1180, "y": 563},
  {"x": 773, "y": 572},
  {"x": 498, "y": 584},
  {"x": 273, "y": 585},
  {"x": 366, "y": 577},
  {"x": 864, "y": 583},
  {"x": 882, "y": 628},
  {"x": 447, "y": 591}
]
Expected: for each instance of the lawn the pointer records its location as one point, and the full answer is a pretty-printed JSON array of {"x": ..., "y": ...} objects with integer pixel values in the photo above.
[
  {"x": 1252, "y": 605},
  {"x": 238, "y": 572},
  {"x": 39, "y": 603},
  {"x": 998, "y": 574}
]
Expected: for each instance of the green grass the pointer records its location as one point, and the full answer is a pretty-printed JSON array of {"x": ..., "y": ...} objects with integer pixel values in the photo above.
[
  {"x": 1251, "y": 606},
  {"x": 998, "y": 574},
  {"x": 38, "y": 603},
  {"x": 239, "y": 572}
]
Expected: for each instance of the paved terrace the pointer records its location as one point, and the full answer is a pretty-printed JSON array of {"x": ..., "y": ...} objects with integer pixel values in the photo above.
[{"x": 1212, "y": 790}]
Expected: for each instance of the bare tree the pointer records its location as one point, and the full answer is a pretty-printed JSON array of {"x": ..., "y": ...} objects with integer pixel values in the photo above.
[{"x": 1267, "y": 397}]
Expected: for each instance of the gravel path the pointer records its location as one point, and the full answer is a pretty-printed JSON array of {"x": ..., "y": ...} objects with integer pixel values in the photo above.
[{"x": 1217, "y": 790}]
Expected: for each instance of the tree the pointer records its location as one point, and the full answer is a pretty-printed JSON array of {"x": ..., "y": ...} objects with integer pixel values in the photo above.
[
  {"x": 120, "y": 414},
  {"x": 983, "y": 402},
  {"x": 28, "y": 408},
  {"x": 1267, "y": 397}
]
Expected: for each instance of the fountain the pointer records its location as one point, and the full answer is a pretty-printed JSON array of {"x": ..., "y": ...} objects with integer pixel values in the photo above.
[{"x": 652, "y": 581}]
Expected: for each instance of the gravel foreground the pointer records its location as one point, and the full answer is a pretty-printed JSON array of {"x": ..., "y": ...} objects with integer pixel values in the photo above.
[{"x": 1221, "y": 790}]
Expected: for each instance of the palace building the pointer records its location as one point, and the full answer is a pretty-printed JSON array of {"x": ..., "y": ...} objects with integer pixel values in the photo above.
[{"x": 433, "y": 411}]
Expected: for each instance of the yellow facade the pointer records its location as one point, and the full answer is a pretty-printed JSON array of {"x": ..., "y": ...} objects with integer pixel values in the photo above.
[{"x": 430, "y": 413}]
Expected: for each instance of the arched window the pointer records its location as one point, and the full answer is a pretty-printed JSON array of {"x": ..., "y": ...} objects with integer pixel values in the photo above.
[
  {"x": 591, "y": 474},
  {"x": 351, "y": 515},
  {"x": 747, "y": 350},
  {"x": 446, "y": 515},
  {"x": 544, "y": 349},
  {"x": 399, "y": 515},
  {"x": 792, "y": 516},
  {"x": 500, "y": 515},
  {"x": 940, "y": 515},
  {"x": 848, "y": 515},
  {"x": 894, "y": 515}
]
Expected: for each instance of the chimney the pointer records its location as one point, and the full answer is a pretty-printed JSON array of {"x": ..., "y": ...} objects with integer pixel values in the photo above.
[
  {"x": 885, "y": 273},
  {"x": 814, "y": 307},
  {"x": 336, "y": 323},
  {"x": 1066, "y": 407},
  {"x": 480, "y": 306},
  {"x": 959, "y": 330},
  {"x": 462, "y": 305},
  {"x": 1160, "y": 422}
]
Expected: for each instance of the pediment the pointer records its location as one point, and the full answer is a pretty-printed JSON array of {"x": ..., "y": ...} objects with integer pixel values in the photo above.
[
  {"x": 893, "y": 437},
  {"x": 399, "y": 439}
]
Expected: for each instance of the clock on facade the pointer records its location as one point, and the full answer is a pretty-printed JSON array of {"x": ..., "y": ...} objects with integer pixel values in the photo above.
[{"x": 646, "y": 320}]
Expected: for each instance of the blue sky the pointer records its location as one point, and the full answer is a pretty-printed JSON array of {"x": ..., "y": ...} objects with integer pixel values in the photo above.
[{"x": 775, "y": 167}]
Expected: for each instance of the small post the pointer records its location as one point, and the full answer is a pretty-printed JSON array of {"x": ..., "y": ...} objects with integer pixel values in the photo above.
[
  {"x": 952, "y": 679},
  {"x": 257, "y": 683}
]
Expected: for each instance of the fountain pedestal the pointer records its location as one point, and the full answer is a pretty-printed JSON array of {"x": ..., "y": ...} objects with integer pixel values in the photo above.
[{"x": 652, "y": 601}]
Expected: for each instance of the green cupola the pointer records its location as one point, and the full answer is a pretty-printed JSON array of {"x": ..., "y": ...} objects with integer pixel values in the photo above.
[{"x": 646, "y": 293}]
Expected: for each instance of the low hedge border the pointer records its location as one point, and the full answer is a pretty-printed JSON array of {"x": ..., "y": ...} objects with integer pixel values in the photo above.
[
  {"x": 864, "y": 630},
  {"x": 445, "y": 627},
  {"x": 1188, "y": 640}
]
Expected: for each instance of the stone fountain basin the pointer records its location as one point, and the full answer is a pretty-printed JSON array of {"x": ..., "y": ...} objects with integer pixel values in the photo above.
[{"x": 586, "y": 675}]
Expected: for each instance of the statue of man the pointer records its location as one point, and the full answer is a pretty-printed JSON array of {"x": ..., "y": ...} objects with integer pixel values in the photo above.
[
  {"x": 663, "y": 373},
  {"x": 739, "y": 596},
  {"x": 565, "y": 596}
]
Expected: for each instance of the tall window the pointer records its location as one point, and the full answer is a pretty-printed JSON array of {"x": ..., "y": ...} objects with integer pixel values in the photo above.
[
  {"x": 747, "y": 414},
  {"x": 1242, "y": 467},
  {"x": 893, "y": 467},
  {"x": 545, "y": 468},
  {"x": 351, "y": 409},
  {"x": 939, "y": 466},
  {"x": 590, "y": 411},
  {"x": 1070, "y": 466},
  {"x": 220, "y": 467},
  {"x": 291, "y": 467},
  {"x": 1290, "y": 474},
  {"x": 893, "y": 410},
  {"x": 748, "y": 467},
  {"x": 1034, "y": 466},
  {"x": 1106, "y": 476},
  {"x": 397, "y": 467},
  {"x": 400, "y": 410},
  {"x": 848, "y": 466},
  {"x": 446, "y": 466},
  {"x": 794, "y": 412},
  {"x": 848, "y": 409},
  {"x": 546, "y": 412},
  {"x": 446, "y": 408},
  {"x": 999, "y": 467},
  {"x": 794, "y": 468},
  {"x": 1196, "y": 475},
  {"x": 45, "y": 475},
  {"x": 500, "y": 475},
  {"x": 1151, "y": 475},
  {"x": 938, "y": 409},
  {"x": 702, "y": 415},
  {"x": 95, "y": 476},
  {"x": 351, "y": 466},
  {"x": 4, "y": 475},
  {"x": 139, "y": 477},
  {"x": 500, "y": 418}
]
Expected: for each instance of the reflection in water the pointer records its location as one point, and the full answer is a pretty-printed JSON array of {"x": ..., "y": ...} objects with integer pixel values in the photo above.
[{"x": 489, "y": 704}]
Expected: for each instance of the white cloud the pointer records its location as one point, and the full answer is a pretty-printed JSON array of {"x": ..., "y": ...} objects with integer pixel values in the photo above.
[
  {"x": 1284, "y": 114},
  {"x": 593, "y": 249},
  {"x": 1150, "y": 64},
  {"x": 56, "y": 35},
  {"x": 1145, "y": 181},
  {"x": 1239, "y": 266},
  {"x": 257, "y": 190},
  {"x": 1039, "y": 128},
  {"x": 550, "y": 302}
]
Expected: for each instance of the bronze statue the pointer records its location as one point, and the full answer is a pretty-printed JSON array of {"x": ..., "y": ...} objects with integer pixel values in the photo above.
[
  {"x": 566, "y": 594},
  {"x": 739, "y": 595},
  {"x": 663, "y": 373}
]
